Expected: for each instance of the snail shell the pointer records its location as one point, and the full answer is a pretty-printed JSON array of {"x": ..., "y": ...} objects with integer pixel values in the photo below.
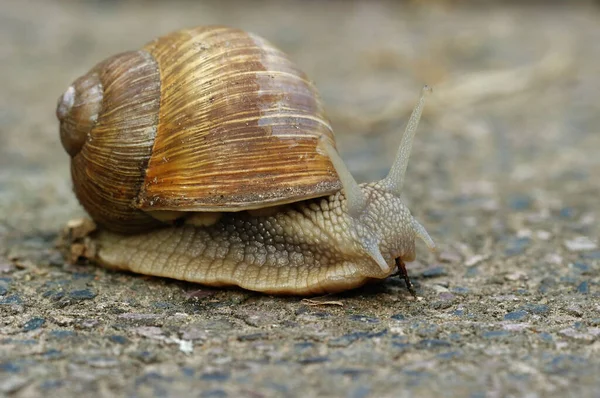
[{"x": 210, "y": 119}]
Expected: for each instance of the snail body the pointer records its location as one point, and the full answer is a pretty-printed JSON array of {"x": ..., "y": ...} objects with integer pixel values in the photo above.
[{"x": 206, "y": 156}]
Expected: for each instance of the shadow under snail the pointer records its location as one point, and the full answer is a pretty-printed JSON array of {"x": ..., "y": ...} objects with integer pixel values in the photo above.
[{"x": 206, "y": 156}]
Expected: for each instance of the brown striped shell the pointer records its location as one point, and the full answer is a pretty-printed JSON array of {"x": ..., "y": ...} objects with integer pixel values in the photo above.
[{"x": 210, "y": 119}]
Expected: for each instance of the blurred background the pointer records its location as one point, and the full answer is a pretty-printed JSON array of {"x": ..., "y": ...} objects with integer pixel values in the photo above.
[{"x": 515, "y": 84}]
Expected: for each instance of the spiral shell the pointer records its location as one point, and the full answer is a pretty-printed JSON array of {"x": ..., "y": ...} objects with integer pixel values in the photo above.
[{"x": 211, "y": 119}]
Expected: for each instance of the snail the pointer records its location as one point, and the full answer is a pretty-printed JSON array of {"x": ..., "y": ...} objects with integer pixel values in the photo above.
[{"x": 206, "y": 156}]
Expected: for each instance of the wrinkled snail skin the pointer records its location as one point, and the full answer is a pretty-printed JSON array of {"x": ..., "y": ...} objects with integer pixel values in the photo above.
[
  {"x": 308, "y": 248},
  {"x": 206, "y": 156}
]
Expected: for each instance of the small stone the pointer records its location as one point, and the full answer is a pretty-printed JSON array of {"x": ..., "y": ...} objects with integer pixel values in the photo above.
[
  {"x": 553, "y": 258},
  {"x": 84, "y": 294},
  {"x": 583, "y": 288},
  {"x": 61, "y": 334},
  {"x": 12, "y": 384},
  {"x": 593, "y": 255},
  {"x": 575, "y": 334},
  {"x": 33, "y": 324},
  {"x": 567, "y": 212},
  {"x": 252, "y": 337},
  {"x": 6, "y": 267},
  {"x": 432, "y": 343},
  {"x": 543, "y": 235},
  {"x": 520, "y": 202},
  {"x": 459, "y": 290},
  {"x": 545, "y": 336},
  {"x": 447, "y": 256},
  {"x": 516, "y": 276},
  {"x": 215, "y": 376},
  {"x": 53, "y": 354},
  {"x": 214, "y": 393},
  {"x": 363, "y": 318},
  {"x": 151, "y": 332},
  {"x": 515, "y": 327},
  {"x": 496, "y": 334},
  {"x": 185, "y": 346},
  {"x": 575, "y": 311},
  {"x": 145, "y": 356},
  {"x": 118, "y": 339},
  {"x": 139, "y": 317},
  {"x": 517, "y": 246},
  {"x": 9, "y": 300},
  {"x": 516, "y": 315},
  {"x": 312, "y": 360},
  {"x": 580, "y": 243},
  {"x": 88, "y": 323},
  {"x": 398, "y": 317},
  {"x": 440, "y": 289},
  {"x": 476, "y": 259},
  {"x": 538, "y": 309},
  {"x": 62, "y": 320},
  {"x": 579, "y": 266},
  {"x": 102, "y": 362},
  {"x": 434, "y": 272}
]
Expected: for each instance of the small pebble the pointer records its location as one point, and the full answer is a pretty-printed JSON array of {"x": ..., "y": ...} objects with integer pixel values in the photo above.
[
  {"x": 515, "y": 327},
  {"x": 535, "y": 308},
  {"x": 311, "y": 360},
  {"x": 398, "y": 317},
  {"x": 14, "y": 299},
  {"x": 543, "y": 235},
  {"x": 118, "y": 339},
  {"x": 432, "y": 343},
  {"x": 593, "y": 255},
  {"x": 520, "y": 202},
  {"x": 434, "y": 272},
  {"x": 253, "y": 337},
  {"x": 516, "y": 315},
  {"x": 580, "y": 243},
  {"x": 516, "y": 246},
  {"x": 33, "y": 324},
  {"x": 575, "y": 310},
  {"x": 214, "y": 393},
  {"x": 85, "y": 294},
  {"x": 13, "y": 383},
  {"x": 449, "y": 257},
  {"x": 516, "y": 276},
  {"x": 215, "y": 376},
  {"x": 583, "y": 288},
  {"x": 61, "y": 334},
  {"x": 6, "y": 267},
  {"x": 580, "y": 267},
  {"x": 496, "y": 334},
  {"x": 363, "y": 318},
  {"x": 588, "y": 337},
  {"x": 102, "y": 362}
]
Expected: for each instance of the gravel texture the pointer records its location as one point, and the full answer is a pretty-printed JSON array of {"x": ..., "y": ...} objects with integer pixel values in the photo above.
[{"x": 504, "y": 175}]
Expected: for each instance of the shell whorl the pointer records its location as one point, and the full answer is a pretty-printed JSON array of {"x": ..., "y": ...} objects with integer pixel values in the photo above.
[
  {"x": 109, "y": 169},
  {"x": 77, "y": 110}
]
